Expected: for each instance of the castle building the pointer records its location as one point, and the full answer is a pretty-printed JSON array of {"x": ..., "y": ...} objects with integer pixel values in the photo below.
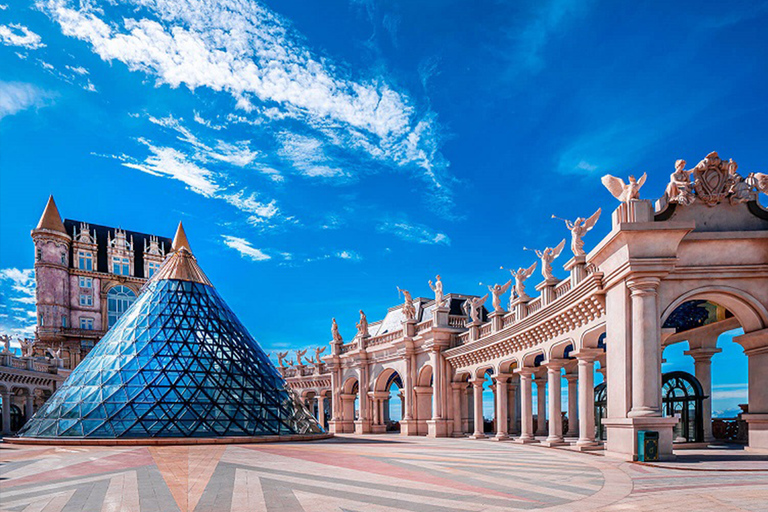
[{"x": 87, "y": 276}]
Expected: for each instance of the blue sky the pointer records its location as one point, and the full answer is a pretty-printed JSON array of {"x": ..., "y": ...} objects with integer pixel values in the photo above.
[{"x": 321, "y": 153}]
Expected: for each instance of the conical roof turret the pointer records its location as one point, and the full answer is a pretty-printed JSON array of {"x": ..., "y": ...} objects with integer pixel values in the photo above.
[
  {"x": 51, "y": 219},
  {"x": 180, "y": 263}
]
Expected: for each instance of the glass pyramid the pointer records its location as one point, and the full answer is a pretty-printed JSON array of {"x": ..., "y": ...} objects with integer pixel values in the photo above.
[{"x": 178, "y": 363}]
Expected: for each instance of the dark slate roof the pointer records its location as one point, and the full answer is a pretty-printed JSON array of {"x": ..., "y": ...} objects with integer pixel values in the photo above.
[{"x": 102, "y": 263}]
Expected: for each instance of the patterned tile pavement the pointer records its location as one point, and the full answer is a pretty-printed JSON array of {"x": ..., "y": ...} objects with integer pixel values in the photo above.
[{"x": 369, "y": 474}]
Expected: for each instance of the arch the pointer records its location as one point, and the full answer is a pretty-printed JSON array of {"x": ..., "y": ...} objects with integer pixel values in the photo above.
[
  {"x": 559, "y": 349},
  {"x": 462, "y": 376},
  {"x": 591, "y": 337},
  {"x": 119, "y": 299},
  {"x": 481, "y": 372},
  {"x": 386, "y": 378},
  {"x": 425, "y": 376},
  {"x": 529, "y": 359},
  {"x": 350, "y": 387},
  {"x": 683, "y": 396},
  {"x": 752, "y": 315},
  {"x": 509, "y": 365}
]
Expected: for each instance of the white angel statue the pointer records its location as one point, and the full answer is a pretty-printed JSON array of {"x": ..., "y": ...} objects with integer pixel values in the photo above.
[
  {"x": 497, "y": 291},
  {"x": 520, "y": 276},
  {"x": 624, "y": 192}
]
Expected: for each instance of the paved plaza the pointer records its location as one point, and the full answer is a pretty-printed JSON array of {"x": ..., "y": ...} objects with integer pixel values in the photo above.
[{"x": 382, "y": 473}]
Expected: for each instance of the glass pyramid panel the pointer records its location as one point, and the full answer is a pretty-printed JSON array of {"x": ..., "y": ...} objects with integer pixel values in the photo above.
[{"x": 178, "y": 363}]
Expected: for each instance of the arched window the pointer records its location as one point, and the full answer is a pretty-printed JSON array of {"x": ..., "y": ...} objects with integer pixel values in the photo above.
[
  {"x": 682, "y": 397},
  {"x": 119, "y": 299},
  {"x": 17, "y": 419},
  {"x": 601, "y": 410}
]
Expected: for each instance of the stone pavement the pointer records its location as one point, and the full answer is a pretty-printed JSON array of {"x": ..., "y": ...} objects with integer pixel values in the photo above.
[{"x": 369, "y": 474}]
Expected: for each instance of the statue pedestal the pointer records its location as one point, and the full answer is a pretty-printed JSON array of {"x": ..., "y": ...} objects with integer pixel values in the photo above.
[
  {"x": 441, "y": 316},
  {"x": 362, "y": 427},
  {"x": 622, "y": 435},
  {"x": 637, "y": 210},
  {"x": 474, "y": 330},
  {"x": 409, "y": 328},
  {"x": 497, "y": 320},
  {"x": 577, "y": 266},
  {"x": 518, "y": 306},
  {"x": 547, "y": 290}
]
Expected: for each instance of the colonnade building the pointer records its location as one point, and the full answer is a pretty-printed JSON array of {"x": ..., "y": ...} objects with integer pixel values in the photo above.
[{"x": 683, "y": 270}]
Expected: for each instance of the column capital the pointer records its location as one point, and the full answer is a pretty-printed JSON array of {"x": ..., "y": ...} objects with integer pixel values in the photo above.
[
  {"x": 702, "y": 354},
  {"x": 459, "y": 385},
  {"x": 554, "y": 365},
  {"x": 643, "y": 285},
  {"x": 525, "y": 371},
  {"x": 478, "y": 383},
  {"x": 587, "y": 354},
  {"x": 571, "y": 378},
  {"x": 502, "y": 377}
]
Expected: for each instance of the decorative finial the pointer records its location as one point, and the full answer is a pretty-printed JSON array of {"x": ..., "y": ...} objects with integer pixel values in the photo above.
[{"x": 180, "y": 239}]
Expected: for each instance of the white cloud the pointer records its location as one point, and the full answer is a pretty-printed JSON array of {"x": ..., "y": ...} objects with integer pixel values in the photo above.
[
  {"x": 261, "y": 212},
  {"x": 414, "y": 232},
  {"x": 166, "y": 161},
  {"x": 308, "y": 156},
  {"x": 251, "y": 53},
  {"x": 348, "y": 255},
  {"x": 18, "y": 285},
  {"x": 245, "y": 248},
  {"x": 80, "y": 70},
  {"x": 18, "y": 96},
  {"x": 15, "y": 34}
]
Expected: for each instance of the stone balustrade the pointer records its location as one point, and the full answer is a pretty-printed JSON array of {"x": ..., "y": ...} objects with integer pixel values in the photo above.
[{"x": 457, "y": 321}]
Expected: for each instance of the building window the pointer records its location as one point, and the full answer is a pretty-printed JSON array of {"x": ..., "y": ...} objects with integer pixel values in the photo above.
[
  {"x": 86, "y": 282},
  {"x": 152, "y": 268},
  {"x": 86, "y": 299},
  {"x": 64, "y": 321},
  {"x": 119, "y": 299},
  {"x": 120, "y": 266},
  {"x": 63, "y": 259},
  {"x": 38, "y": 254},
  {"x": 86, "y": 323},
  {"x": 40, "y": 318},
  {"x": 86, "y": 345},
  {"x": 85, "y": 261}
]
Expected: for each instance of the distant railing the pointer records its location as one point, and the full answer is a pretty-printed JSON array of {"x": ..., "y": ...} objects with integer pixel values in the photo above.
[
  {"x": 462, "y": 338},
  {"x": 457, "y": 321},
  {"x": 730, "y": 429},
  {"x": 385, "y": 338},
  {"x": 347, "y": 347},
  {"x": 485, "y": 329},
  {"x": 41, "y": 367},
  {"x": 508, "y": 320},
  {"x": 562, "y": 288},
  {"x": 21, "y": 364},
  {"x": 424, "y": 326},
  {"x": 534, "y": 305}
]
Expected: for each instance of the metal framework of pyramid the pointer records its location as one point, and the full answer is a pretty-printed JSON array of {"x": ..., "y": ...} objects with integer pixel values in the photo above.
[{"x": 178, "y": 363}]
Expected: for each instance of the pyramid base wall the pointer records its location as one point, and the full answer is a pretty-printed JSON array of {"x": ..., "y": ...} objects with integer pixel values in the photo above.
[{"x": 166, "y": 440}]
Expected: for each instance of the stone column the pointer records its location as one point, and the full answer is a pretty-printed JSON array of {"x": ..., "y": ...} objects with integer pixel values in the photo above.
[
  {"x": 502, "y": 407},
  {"x": 363, "y": 423},
  {"x": 321, "y": 410},
  {"x": 756, "y": 349},
  {"x": 477, "y": 384},
  {"x": 702, "y": 358},
  {"x": 29, "y": 406},
  {"x": 456, "y": 395},
  {"x": 526, "y": 406},
  {"x": 554, "y": 378},
  {"x": 376, "y": 417},
  {"x": 573, "y": 400},
  {"x": 646, "y": 348},
  {"x": 6, "y": 396},
  {"x": 512, "y": 405},
  {"x": 586, "y": 381},
  {"x": 436, "y": 395},
  {"x": 408, "y": 391},
  {"x": 541, "y": 403}
]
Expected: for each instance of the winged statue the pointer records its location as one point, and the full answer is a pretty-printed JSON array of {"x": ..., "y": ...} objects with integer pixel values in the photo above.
[
  {"x": 759, "y": 180},
  {"x": 299, "y": 355},
  {"x": 547, "y": 256},
  {"x": 318, "y": 351},
  {"x": 280, "y": 357},
  {"x": 578, "y": 229},
  {"x": 520, "y": 276},
  {"x": 497, "y": 291},
  {"x": 624, "y": 192}
]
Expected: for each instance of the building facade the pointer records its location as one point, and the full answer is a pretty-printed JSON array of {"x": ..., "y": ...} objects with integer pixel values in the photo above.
[
  {"x": 87, "y": 275},
  {"x": 684, "y": 270}
]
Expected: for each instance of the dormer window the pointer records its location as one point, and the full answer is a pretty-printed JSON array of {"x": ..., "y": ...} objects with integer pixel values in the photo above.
[
  {"x": 85, "y": 261},
  {"x": 152, "y": 268},
  {"x": 120, "y": 266}
]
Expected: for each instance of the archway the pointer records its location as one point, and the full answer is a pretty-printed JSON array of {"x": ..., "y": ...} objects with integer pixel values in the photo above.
[
  {"x": 349, "y": 404},
  {"x": 682, "y": 397},
  {"x": 423, "y": 399},
  {"x": 706, "y": 319},
  {"x": 389, "y": 402}
]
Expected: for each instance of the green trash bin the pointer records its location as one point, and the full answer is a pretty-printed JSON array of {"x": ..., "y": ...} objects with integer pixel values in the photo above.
[{"x": 647, "y": 445}]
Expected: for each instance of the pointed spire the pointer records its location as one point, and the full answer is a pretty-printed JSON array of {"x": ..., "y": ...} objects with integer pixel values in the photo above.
[
  {"x": 181, "y": 264},
  {"x": 51, "y": 218},
  {"x": 180, "y": 239}
]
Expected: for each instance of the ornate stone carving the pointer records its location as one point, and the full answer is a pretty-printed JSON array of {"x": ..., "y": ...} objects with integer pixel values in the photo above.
[
  {"x": 6, "y": 343},
  {"x": 318, "y": 351},
  {"x": 471, "y": 307},
  {"x": 280, "y": 357},
  {"x": 712, "y": 179},
  {"x": 679, "y": 189},
  {"x": 409, "y": 310},
  {"x": 547, "y": 256},
  {"x": 578, "y": 229},
  {"x": 335, "y": 332},
  {"x": 624, "y": 192},
  {"x": 437, "y": 287},
  {"x": 497, "y": 291},
  {"x": 362, "y": 325},
  {"x": 520, "y": 276},
  {"x": 27, "y": 347},
  {"x": 299, "y": 355}
]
